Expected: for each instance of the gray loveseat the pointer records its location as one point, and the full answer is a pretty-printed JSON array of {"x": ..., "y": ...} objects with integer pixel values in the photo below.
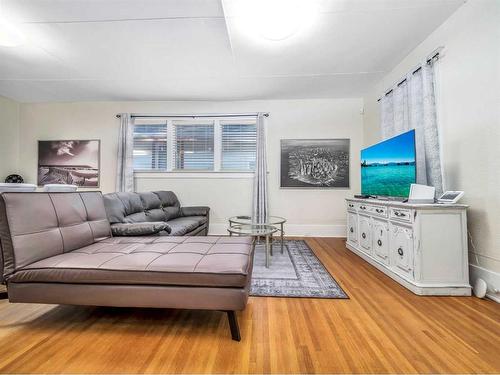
[
  {"x": 58, "y": 248},
  {"x": 158, "y": 212}
]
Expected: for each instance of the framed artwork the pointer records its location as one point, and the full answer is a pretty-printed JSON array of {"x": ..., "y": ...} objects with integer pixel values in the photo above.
[
  {"x": 69, "y": 162},
  {"x": 315, "y": 163}
]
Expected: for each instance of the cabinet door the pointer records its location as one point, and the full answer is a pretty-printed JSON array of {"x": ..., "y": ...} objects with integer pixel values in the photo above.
[
  {"x": 401, "y": 250},
  {"x": 352, "y": 228},
  {"x": 381, "y": 241},
  {"x": 365, "y": 233}
]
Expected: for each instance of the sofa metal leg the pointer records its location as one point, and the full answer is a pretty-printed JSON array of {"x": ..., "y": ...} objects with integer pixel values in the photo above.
[{"x": 233, "y": 324}]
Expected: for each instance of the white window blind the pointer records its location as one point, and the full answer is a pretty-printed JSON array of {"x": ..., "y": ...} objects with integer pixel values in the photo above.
[
  {"x": 238, "y": 145},
  {"x": 169, "y": 144},
  {"x": 194, "y": 145},
  {"x": 150, "y": 144}
]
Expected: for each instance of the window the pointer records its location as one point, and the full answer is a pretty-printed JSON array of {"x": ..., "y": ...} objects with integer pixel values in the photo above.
[
  {"x": 150, "y": 145},
  {"x": 200, "y": 144},
  {"x": 194, "y": 145},
  {"x": 239, "y": 145}
]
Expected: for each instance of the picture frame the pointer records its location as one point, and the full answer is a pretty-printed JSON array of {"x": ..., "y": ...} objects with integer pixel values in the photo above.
[
  {"x": 73, "y": 162},
  {"x": 315, "y": 163}
]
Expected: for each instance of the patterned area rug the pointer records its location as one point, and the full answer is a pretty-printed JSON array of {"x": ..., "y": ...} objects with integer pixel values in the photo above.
[{"x": 296, "y": 273}]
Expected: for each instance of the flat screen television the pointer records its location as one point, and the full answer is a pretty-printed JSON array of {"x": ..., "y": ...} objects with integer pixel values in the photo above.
[{"x": 388, "y": 168}]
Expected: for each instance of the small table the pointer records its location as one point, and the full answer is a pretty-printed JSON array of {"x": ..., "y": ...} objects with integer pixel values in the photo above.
[
  {"x": 255, "y": 231},
  {"x": 271, "y": 220}
]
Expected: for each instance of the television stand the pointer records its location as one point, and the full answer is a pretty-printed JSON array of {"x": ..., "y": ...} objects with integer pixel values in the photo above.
[{"x": 421, "y": 246}]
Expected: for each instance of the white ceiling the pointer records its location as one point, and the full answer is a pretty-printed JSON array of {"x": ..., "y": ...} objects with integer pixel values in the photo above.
[{"x": 195, "y": 50}]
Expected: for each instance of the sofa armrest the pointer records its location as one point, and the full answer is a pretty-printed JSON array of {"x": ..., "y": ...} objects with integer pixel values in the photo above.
[
  {"x": 139, "y": 229},
  {"x": 195, "y": 211}
]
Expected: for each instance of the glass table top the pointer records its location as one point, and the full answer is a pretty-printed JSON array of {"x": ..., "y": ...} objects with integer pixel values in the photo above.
[
  {"x": 272, "y": 220},
  {"x": 252, "y": 230}
]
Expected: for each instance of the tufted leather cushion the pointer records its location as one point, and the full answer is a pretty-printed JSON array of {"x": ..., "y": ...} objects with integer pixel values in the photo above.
[
  {"x": 35, "y": 226},
  {"x": 188, "y": 261},
  {"x": 141, "y": 207},
  {"x": 152, "y": 207},
  {"x": 182, "y": 225},
  {"x": 140, "y": 229},
  {"x": 169, "y": 204}
]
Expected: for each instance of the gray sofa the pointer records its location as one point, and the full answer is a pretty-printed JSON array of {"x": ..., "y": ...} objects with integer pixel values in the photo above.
[
  {"x": 158, "y": 212},
  {"x": 57, "y": 248}
]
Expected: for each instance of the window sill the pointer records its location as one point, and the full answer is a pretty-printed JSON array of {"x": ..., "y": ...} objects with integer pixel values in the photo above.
[{"x": 192, "y": 175}]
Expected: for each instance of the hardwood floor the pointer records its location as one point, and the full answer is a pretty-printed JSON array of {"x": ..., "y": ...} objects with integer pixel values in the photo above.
[{"x": 382, "y": 328}]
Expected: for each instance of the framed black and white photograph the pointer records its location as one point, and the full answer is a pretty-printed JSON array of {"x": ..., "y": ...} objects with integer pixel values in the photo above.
[
  {"x": 69, "y": 162},
  {"x": 315, "y": 163}
]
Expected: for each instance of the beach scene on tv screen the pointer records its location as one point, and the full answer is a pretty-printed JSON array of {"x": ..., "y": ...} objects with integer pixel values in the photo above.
[{"x": 388, "y": 168}]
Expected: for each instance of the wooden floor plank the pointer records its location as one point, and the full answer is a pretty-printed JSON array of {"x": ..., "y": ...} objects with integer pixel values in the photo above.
[{"x": 381, "y": 328}]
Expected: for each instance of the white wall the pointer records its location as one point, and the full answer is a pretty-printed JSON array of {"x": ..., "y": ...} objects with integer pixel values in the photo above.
[
  {"x": 469, "y": 111},
  {"x": 9, "y": 137},
  {"x": 309, "y": 212}
]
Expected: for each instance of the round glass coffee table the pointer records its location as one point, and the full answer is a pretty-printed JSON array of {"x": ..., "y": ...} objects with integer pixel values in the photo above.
[
  {"x": 256, "y": 231},
  {"x": 275, "y": 221}
]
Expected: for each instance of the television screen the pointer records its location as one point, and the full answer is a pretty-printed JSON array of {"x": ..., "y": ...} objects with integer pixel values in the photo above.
[{"x": 388, "y": 168}]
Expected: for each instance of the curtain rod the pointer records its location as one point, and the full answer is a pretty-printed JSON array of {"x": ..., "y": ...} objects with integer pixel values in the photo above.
[
  {"x": 252, "y": 114},
  {"x": 433, "y": 56}
]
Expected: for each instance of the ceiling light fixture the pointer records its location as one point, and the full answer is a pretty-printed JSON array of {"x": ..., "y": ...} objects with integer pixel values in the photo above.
[
  {"x": 10, "y": 36},
  {"x": 276, "y": 20}
]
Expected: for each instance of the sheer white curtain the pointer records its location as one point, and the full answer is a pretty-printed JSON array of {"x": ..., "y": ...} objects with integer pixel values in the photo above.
[
  {"x": 125, "y": 164},
  {"x": 260, "y": 198},
  {"x": 412, "y": 105}
]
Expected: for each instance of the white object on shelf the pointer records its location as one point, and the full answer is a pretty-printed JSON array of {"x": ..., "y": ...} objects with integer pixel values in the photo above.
[
  {"x": 421, "y": 246},
  {"x": 59, "y": 188},
  {"x": 15, "y": 187},
  {"x": 451, "y": 196},
  {"x": 421, "y": 194}
]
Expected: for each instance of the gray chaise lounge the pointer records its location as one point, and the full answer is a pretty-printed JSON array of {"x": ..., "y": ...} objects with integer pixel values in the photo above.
[
  {"x": 157, "y": 212},
  {"x": 57, "y": 248}
]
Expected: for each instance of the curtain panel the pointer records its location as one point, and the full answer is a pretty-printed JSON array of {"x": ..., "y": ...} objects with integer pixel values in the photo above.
[
  {"x": 125, "y": 163},
  {"x": 260, "y": 197},
  {"x": 412, "y": 105}
]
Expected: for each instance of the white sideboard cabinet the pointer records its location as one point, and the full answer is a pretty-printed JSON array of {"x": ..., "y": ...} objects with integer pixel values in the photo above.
[{"x": 421, "y": 246}]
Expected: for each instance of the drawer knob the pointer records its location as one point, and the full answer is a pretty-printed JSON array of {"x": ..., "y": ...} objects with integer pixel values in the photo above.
[
  {"x": 362, "y": 207},
  {"x": 352, "y": 230},
  {"x": 397, "y": 213},
  {"x": 379, "y": 210},
  {"x": 400, "y": 251},
  {"x": 363, "y": 235},
  {"x": 379, "y": 242}
]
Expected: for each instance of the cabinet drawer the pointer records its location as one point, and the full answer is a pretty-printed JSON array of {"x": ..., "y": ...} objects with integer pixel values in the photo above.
[
  {"x": 352, "y": 206},
  {"x": 402, "y": 214},
  {"x": 401, "y": 250},
  {"x": 364, "y": 208},
  {"x": 379, "y": 211}
]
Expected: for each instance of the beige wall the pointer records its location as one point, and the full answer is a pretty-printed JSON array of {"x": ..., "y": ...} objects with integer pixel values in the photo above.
[
  {"x": 9, "y": 137},
  {"x": 309, "y": 212},
  {"x": 469, "y": 114}
]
